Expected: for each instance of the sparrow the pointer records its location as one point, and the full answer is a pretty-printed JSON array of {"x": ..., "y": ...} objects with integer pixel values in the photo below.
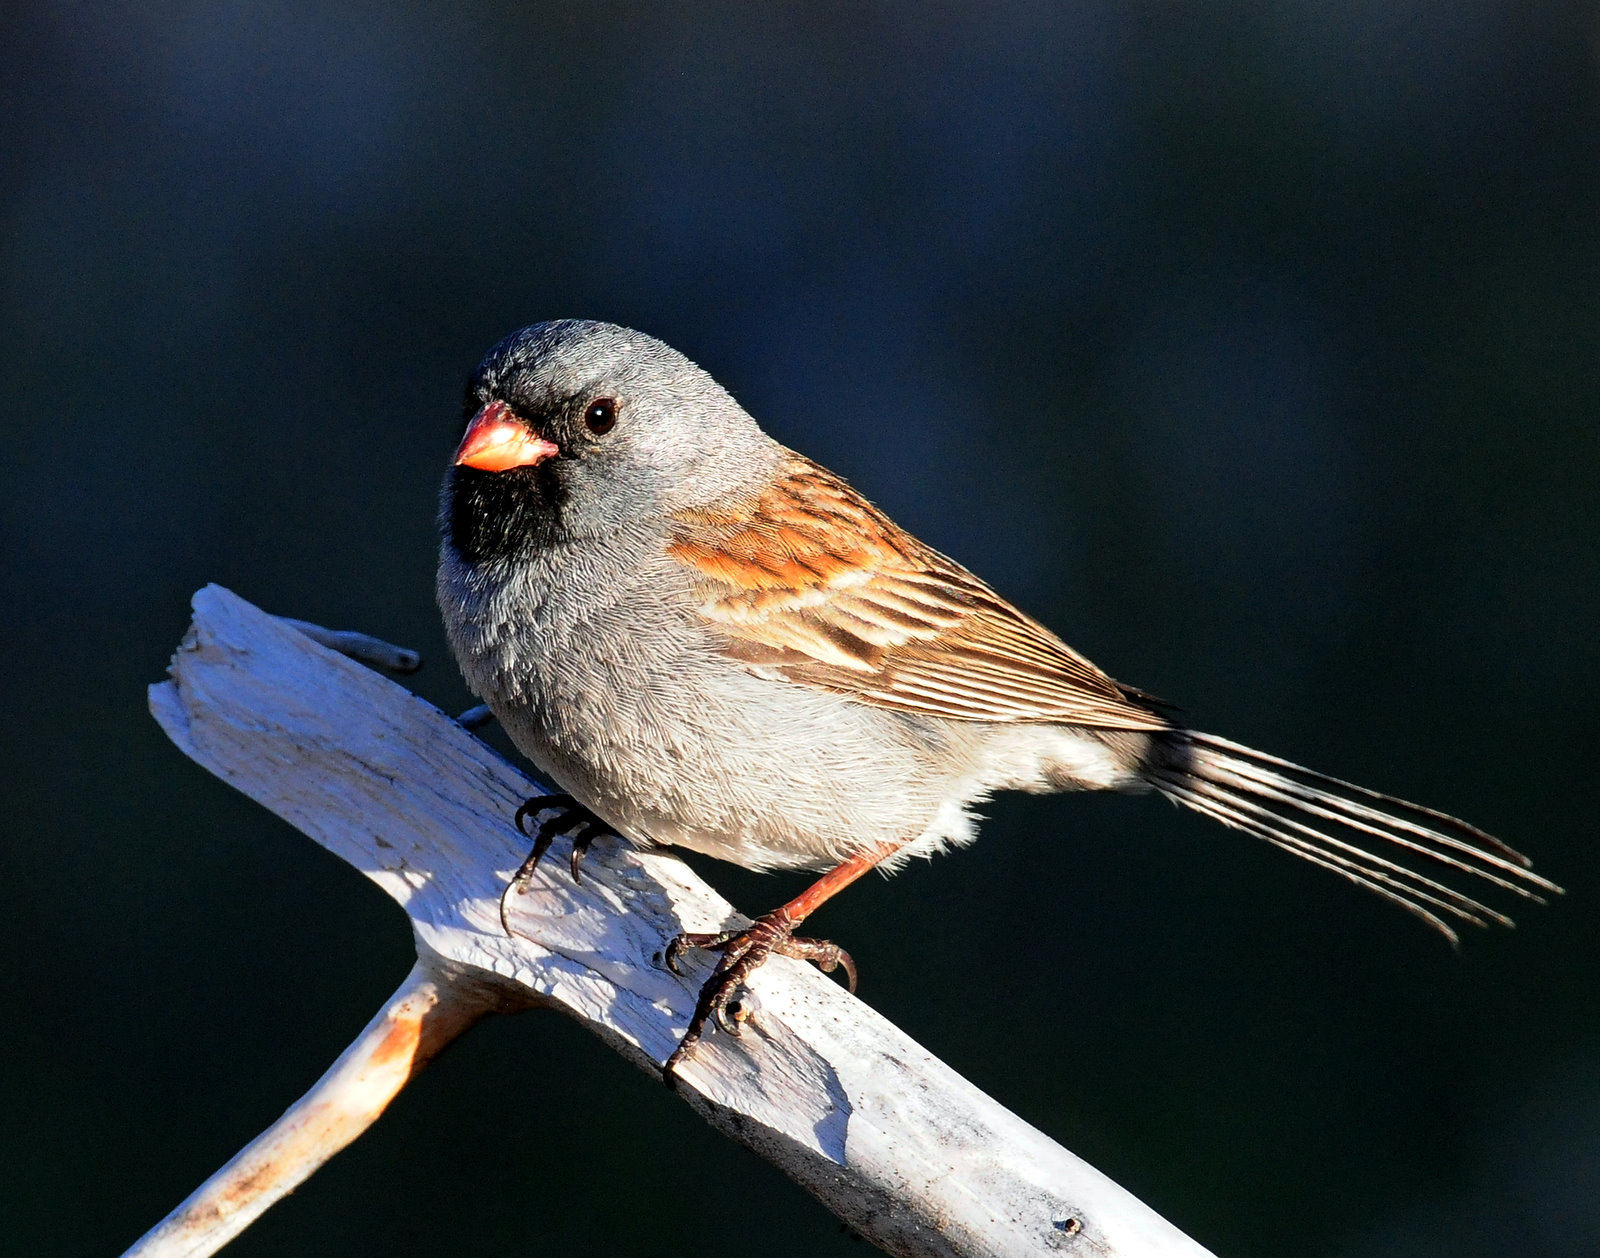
[{"x": 711, "y": 642}]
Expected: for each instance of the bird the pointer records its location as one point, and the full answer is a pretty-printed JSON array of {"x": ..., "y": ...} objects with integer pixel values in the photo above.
[{"x": 706, "y": 640}]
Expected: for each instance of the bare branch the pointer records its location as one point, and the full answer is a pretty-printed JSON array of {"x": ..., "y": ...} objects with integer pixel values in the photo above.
[
  {"x": 426, "y": 1013},
  {"x": 360, "y": 646},
  {"x": 893, "y": 1141}
]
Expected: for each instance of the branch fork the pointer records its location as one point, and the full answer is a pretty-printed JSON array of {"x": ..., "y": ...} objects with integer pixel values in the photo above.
[{"x": 908, "y": 1153}]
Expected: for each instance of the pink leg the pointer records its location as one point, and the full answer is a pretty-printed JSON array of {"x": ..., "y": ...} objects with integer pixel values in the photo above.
[{"x": 744, "y": 951}]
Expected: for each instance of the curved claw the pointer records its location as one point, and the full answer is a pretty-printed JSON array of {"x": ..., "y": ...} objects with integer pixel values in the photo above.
[
  {"x": 563, "y": 810},
  {"x": 524, "y": 876},
  {"x": 585, "y": 835},
  {"x": 558, "y": 801},
  {"x": 679, "y": 945},
  {"x": 728, "y": 1022},
  {"x": 561, "y": 807},
  {"x": 505, "y": 922},
  {"x": 682, "y": 943},
  {"x": 829, "y": 957},
  {"x": 546, "y": 836},
  {"x": 743, "y": 952}
]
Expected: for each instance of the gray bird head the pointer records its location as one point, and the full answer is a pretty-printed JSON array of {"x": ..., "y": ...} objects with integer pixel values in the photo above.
[{"x": 576, "y": 429}]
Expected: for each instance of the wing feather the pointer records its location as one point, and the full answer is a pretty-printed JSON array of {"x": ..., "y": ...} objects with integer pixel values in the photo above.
[{"x": 812, "y": 581}]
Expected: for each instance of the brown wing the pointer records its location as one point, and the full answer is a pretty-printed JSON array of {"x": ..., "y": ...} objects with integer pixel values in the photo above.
[{"x": 813, "y": 582}]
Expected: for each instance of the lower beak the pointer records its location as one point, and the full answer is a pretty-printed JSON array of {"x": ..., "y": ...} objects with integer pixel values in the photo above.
[{"x": 496, "y": 441}]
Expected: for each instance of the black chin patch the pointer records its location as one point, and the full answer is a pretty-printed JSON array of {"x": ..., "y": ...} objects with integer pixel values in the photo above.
[{"x": 501, "y": 515}]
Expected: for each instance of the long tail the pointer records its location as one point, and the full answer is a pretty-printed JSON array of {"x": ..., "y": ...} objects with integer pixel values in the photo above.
[{"x": 1333, "y": 824}]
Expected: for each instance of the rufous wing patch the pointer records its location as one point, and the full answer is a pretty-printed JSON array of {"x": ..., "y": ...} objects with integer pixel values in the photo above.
[{"x": 812, "y": 581}]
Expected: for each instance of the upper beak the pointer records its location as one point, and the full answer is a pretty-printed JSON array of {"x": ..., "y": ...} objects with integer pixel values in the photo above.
[{"x": 495, "y": 441}]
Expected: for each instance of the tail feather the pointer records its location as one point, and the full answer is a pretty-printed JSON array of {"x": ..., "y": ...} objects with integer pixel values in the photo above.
[
  {"x": 1284, "y": 804},
  {"x": 1396, "y": 889}
]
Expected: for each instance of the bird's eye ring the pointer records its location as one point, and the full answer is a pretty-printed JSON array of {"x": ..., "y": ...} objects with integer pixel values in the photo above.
[{"x": 601, "y": 416}]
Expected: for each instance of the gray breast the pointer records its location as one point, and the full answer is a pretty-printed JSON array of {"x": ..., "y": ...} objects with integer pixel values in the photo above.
[{"x": 597, "y": 664}]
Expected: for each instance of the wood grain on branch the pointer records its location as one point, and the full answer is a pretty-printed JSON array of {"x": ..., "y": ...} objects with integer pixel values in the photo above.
[{"x": 893, "y": 1141}]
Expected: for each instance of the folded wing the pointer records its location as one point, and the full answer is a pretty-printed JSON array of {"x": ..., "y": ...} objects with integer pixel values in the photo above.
[{"x": 811, "y": 582}]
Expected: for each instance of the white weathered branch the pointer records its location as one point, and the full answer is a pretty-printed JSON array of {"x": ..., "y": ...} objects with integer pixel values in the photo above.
[{"x": 893, "y": 1141}]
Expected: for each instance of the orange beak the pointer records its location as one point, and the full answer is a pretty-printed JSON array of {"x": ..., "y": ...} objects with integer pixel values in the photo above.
[{"x": 496, "y": 442}]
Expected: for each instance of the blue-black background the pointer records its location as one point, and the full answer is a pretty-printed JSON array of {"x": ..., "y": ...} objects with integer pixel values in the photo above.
[{"x": 1253, "y": 346}]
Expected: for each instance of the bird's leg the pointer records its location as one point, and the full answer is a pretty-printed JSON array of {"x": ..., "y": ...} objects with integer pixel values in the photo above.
[
  {"x": 564, "y": 810},
  {"x": 744, "y": 951}
]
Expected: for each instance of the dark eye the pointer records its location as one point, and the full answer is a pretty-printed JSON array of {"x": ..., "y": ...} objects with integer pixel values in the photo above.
[{"x": 601, "y": 417}]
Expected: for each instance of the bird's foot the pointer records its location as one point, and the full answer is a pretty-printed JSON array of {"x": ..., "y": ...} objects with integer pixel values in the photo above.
[
  {"x": 743, "y": 952},
  {"x": 564, "y": 811}
]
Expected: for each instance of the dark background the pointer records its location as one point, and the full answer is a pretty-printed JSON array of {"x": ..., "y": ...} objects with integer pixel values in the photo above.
[{"x": 1255, "y": 347}]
